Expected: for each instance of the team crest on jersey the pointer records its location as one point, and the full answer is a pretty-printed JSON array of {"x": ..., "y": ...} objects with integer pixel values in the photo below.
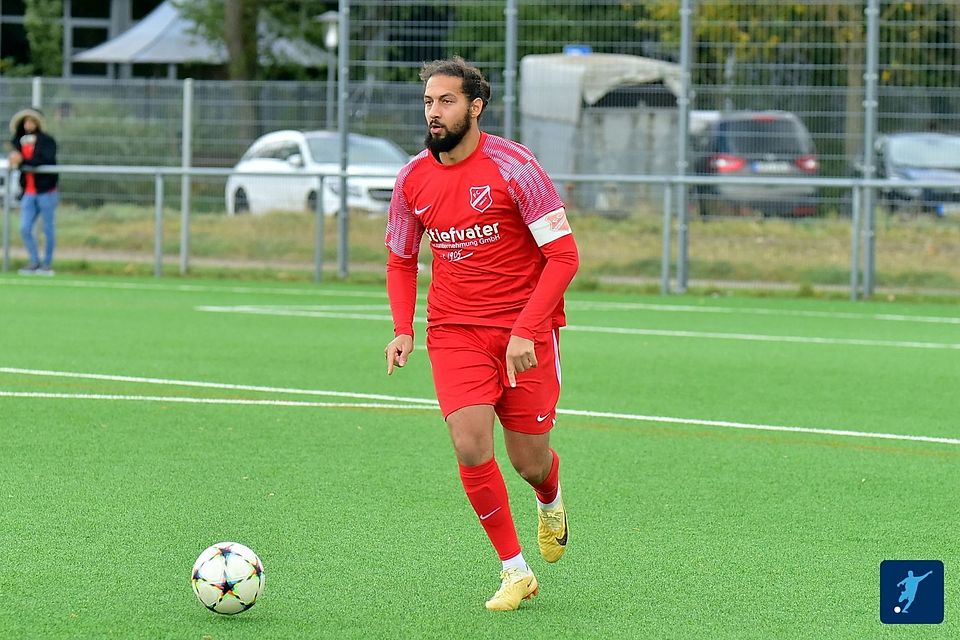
[{"x": 480, "y": 198}]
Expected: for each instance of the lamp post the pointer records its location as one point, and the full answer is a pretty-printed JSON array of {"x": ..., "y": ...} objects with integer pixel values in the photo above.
[{"x": 331, "y": 38}]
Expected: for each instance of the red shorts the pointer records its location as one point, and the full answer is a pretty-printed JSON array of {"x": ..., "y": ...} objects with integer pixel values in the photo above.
[{"x": 469, "y": 368}]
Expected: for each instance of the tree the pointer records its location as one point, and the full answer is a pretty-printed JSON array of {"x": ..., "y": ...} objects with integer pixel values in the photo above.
[
  {"x": 240, "y": 28},
  {"x": 238, "y": 25},
  {"x": 232, "y": 23},
  {"x": 41, "y": 19}
]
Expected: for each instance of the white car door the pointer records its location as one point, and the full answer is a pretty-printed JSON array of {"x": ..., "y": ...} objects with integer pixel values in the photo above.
[
  {"x": 297, "y": 182},
  {"x": 282, "y": 184},
  {"x": 261, "y": 188}
]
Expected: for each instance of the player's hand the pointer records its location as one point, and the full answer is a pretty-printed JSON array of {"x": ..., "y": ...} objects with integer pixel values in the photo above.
[
  {"x": 520, "y": 357},
  {"x": 14, "y": 159},
  {"x": 398, "y": 351}
]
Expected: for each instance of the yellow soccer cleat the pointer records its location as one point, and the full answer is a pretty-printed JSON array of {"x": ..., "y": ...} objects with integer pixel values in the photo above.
[
  {"x": 516, "y": 585},
  {"x": 552, "y": 530}
]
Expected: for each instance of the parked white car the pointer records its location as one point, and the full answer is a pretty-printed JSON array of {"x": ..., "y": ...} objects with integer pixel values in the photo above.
[
  {"x": 14, "y": 182},
  {"x": 279, "y": 173}
]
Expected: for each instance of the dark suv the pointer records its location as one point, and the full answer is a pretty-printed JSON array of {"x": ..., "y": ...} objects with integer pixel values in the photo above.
[{"x": 755, "y": 143}]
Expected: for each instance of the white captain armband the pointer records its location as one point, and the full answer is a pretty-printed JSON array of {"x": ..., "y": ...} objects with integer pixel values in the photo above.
[{"x": 549, "y": 227}]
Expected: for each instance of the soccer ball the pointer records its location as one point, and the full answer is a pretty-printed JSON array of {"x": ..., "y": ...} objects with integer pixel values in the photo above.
[{"x": 228, "y": 578}]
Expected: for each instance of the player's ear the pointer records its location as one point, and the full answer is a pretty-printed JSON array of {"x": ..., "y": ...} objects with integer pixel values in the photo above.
[{"x": 476, "y": 107}]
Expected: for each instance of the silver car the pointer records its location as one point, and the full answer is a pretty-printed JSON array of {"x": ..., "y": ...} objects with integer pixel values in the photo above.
[
  {"x": 280, "y": 172},
  {"x": 756, "y": 144},
  {"x": 911, "y": 157}
]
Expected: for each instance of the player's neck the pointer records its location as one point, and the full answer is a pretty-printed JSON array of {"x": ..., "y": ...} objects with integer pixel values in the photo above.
[{"x": 463, "y": 150}]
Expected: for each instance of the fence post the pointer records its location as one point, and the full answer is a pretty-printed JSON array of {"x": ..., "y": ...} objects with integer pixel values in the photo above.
[
  {"x": 870, "y": 78},
  {"x": 855, "y": 244},
  {"x": 7, "y": 195},
  {"x": 67, "y": 64},
  {"x": 186, "y": 159},
  {"x": 683, "y": 107},
  {"x": 510, "y": 69},
  {"x": 665, "y": 251},
  {"x": 36, "y": 93},
  {"x": 343, "y": 83},
  {"x": 318, "y": 209},
  {"x": 158, "y": 225}
]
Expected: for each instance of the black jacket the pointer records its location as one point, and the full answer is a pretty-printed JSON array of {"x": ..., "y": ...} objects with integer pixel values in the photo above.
[{"x": 44, "y": 152}]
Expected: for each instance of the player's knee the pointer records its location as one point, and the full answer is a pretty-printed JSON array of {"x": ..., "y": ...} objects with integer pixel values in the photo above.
[
  {"x": 472, "y": 450},
  {"x": 530, "y": 471}
]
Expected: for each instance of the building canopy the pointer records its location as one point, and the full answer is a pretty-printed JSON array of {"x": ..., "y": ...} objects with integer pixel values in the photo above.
[
  {"x": 165, "y": 36},
  {"x": 556, "y": 86}
]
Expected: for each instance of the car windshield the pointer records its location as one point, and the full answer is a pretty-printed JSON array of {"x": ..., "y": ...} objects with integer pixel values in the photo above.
[
  {"x": 760, "y": 136},
  {"x": 362, "y": 151},
  {"x": 926, "y": 152}
]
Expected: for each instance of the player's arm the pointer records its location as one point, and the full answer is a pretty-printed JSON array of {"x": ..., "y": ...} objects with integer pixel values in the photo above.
[
  {"x": 541, "y": 208},
  {"x": 402, "y": 293},
  {"x": 404, "y": 232},
  {"x": 553, "y": 235},
  {"x": 555, "y": 239}
]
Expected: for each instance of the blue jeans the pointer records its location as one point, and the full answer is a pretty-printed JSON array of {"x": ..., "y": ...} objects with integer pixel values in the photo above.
[{"x": 41, "y": 205}]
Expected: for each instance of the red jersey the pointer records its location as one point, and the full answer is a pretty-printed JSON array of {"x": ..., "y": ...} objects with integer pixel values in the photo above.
[
  {"x": 27, "y": 143},
  {"x": 486, "y": 218}
]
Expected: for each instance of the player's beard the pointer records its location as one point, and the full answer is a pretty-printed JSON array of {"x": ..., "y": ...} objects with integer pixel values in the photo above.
[{"x": 447, "y": 141}]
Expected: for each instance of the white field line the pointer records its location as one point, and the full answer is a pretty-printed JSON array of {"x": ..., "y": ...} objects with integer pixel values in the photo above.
[
  {"x": 758, "y": 427},
  {"x": 584, "y": 305},
  {"x": 799, "y": 313},
  {"x": 298, "y": 312},
  {"x": 328, "y": 307},
  {"x": 640, "y": 306},
  {"x": 213, "y": 385},
  {"x": 229, "y": 401},
  {"x": 750, "y": 337},
  {"x": 904, "y": 344},
  {"x": 631, "y": 306},
  {"x": 412, "y": 404},
  {"x": 191, "y": 288}
]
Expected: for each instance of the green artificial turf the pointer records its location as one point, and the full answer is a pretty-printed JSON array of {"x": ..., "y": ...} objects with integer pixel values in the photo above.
[{"x": 679, "y": 528}]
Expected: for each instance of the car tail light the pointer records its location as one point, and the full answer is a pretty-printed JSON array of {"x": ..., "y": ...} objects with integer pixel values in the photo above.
[
  {"x": 807, "y": 164},
  {"x": 727, "y": 163}
]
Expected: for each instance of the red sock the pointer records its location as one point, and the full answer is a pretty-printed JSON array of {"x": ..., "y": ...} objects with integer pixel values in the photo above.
[
  {"x": 488, "y": 495},
  {"x": 547, "y": 490}
]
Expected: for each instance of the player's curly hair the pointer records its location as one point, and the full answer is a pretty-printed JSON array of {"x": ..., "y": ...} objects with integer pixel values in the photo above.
[{"x": 474, "y": 84}]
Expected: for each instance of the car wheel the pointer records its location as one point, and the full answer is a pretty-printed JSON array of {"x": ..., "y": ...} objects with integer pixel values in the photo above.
[
  {"x": 240, "y": 202},
  {"x": 312, "y": 202}
]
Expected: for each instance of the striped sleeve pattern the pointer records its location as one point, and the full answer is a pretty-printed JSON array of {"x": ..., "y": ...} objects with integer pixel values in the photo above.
[
  {"x": 404, "y": 229},
  {"x": 529, "y": 185}
]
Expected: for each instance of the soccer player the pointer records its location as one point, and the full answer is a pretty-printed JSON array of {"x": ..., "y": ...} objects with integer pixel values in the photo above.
[{"x": 503, "y": 255}]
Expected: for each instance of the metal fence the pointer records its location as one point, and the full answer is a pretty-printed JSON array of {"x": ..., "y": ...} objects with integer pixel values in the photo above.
[{"x": 850, "y": 71}]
